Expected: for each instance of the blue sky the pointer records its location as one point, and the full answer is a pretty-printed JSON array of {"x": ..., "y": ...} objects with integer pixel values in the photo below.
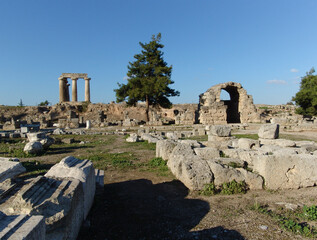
[{"x": 267, "y": 46}]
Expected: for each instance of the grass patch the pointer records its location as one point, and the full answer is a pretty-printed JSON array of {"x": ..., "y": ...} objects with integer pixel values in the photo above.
[
  {"x": 228, "y": 188},
  {"x": 117, "y": 160},
  {"x": 157, "y": 165},
  {"x": 35, "y": 168},
  {"x": 292, "y": 221},
  {"x": 142, "y": 145}
]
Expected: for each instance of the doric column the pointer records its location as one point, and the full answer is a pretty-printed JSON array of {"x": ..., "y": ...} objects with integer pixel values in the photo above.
[
  {"x": 74, "y": 89},
  {"x": 67, "y": 92},
  {"x": 87, "y": 89},
  {"x": 62, "y": 86}
]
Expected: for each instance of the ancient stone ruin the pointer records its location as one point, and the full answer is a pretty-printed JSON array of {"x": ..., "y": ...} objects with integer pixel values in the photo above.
[
  {"x": 239, "y": 109},
  {"x": 64, "y": 86}
]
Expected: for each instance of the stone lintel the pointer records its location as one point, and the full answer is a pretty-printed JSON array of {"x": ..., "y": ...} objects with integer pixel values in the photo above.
[{"x": 74, "y": 75}]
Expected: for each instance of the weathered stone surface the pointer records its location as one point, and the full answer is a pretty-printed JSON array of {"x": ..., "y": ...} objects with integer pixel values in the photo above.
[
  {"x": 230, "y": 161},
  {"x": 278, "y": 142},
  {"x": 22, "y": 227},
  {"x": 189, "y": 168},
  {"x": 82, "y": 170},
  {"x": 59, "y": 131},
  {"x": 171, "y": 135},
  {"x": 133, "y": 138},
  {"x": 149, "y": 138},
  {"x": 192, "y": 143},
  {"x": 223, "y": 173},
  {"x": 207, "y": 152},
  {"x": 10, "y": 169},
  {"x": 46, "y": 141},
  {"x": 164, "y": 148},
  {"x": 287, "y": 171},
  {"x": 33, "y": 148},
  {"x": 220, "y": 130},
  {"x": 246, "y": 143},
  {"x": 240, "y": 108},
  {"x": 269, "y": 131},
  {"x": 59, "y": 201},
  {"x": 99, "y": 175},
  {"x": 68, "y": 140}
]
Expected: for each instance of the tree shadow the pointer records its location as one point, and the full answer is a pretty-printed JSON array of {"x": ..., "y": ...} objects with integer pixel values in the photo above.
[
  {"x": 61, "y": 150},
  {"x": 139, "y": 209}
]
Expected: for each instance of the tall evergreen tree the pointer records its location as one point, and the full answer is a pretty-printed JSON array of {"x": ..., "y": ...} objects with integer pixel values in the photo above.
[
  {"x": 306, "y": 97},
  {"x": 149, "y": 78}
]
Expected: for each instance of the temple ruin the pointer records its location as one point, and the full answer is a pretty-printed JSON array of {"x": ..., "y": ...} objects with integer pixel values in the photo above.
[
  {"x": 64, "y": 86},
  {"x": 239, "y": 109}
]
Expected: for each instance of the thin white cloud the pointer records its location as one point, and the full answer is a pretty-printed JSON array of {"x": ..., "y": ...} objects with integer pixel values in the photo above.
[
  {"x": 294, "y": 70},
  {"x": 275, "y": 81},
  {"x": 125, "y": 78}
]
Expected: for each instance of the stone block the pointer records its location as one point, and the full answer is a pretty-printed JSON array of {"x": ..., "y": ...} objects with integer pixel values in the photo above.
[
  {"x": 220, "y": 130},
  {"x": 190, "y": 169},
  {"x": 68, "y": 140},
  {"x": 246, "y": 143},
  {"x": 59, "y": 201},
  {"x": 99, "y": 175},
  {"x": 82, "y": 170},
  {"x": 9, "y": 168},
  {"x": 33, "y": 148},
  {"x": 207, "y": 152},
  {"x": 269, "y": 131},
  {"x": 21, "y": 227},
  {"x": 287, "y": 171},
  {"x": 164, "y": 148}
]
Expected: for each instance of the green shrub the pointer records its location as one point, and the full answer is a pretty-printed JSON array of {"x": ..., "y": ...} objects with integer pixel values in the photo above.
[
  {"x": 209, "y": 190},
  {"x": 234, "y": 187},
  {"x": 310, "y": 213}
]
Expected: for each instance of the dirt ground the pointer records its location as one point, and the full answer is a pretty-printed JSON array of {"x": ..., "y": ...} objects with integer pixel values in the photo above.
[{"x": 136, "y": 203}]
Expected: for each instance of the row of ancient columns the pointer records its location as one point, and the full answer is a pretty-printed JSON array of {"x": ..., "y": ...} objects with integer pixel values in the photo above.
[{"x": 64, "y": 89}]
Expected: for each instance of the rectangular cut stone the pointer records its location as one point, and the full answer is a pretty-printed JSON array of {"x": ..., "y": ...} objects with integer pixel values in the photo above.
[
  {"x": 59, "y": 201},
  {"x": 9, "y": 168},
  {"x": 100, "y": 174},
  {"x": 82, "y": 170},
  {"x": 74, "y": 75},
  {"x": 21, "y": 227}
]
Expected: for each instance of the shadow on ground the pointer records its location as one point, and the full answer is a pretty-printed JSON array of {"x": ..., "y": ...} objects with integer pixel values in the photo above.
[{"x": 139, "y": 209}]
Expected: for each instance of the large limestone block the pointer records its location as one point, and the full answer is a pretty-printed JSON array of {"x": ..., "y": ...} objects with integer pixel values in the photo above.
[
  {"x": 133, "y": 138},
  {"x": 192, "y": 143},
  {"x": 22, "y": 227},
  {"x": 191, "y": 170},
  {"x": 9, "y": 168},
  {"x": 59, "y": 201},
  {"x": 246, "y": 143},
  {"x": 223, "y": 174},
  {"x": 287, "y": 171},
  {"x": 46, "y": 141},
  {"x": 220, "y": 130},
  {"x": 278, "y": 142},
  {"x": 148, "y": 137},
  {"x": 164, "y": 148},
  {"x": 33, "y": 148},
  {"x": 82, "y": 170},
  {"x": 207, "y": 152},
  {"x": 269, "y": 131}
]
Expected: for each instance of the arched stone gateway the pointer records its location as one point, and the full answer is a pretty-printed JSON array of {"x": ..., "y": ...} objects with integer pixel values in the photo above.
[
  {"x": 239, "y": 109},
  {"x": 64, "y": 86}
]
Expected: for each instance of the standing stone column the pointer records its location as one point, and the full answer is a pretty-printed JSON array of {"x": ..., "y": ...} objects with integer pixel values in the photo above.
[
  {"x": 74, "y": 89},
  {"x": 87, "y": 89},
  {"x": 62, "y": 86}
]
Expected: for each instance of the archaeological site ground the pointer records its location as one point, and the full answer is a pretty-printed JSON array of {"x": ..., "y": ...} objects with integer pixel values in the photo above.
[{"x": 218, "y": 169}]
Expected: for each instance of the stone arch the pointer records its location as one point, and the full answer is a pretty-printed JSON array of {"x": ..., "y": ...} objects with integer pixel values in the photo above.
[{"x": 239, "y": 109}]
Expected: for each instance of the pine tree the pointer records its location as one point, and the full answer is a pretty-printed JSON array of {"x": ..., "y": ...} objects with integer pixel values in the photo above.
[{"x": 149, "y": 78}]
